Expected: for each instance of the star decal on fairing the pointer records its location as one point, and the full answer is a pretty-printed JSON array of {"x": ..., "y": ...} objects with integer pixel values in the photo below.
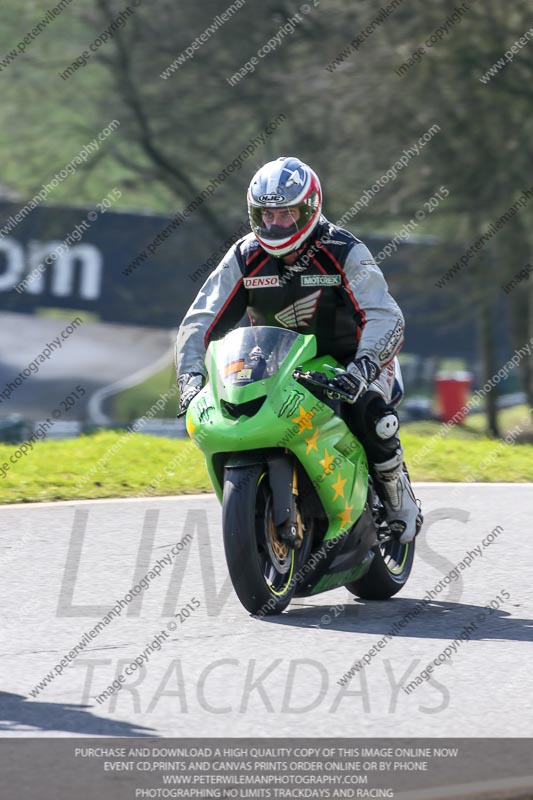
[
  {"x": 326, "y": 462},
  {"x": 298, "y": 314},
  {"x": 346, "y": 515},
  {"x": 311, "y": 443},
  {"x": 303, "y": 420},
  {"x": 339, "y": 486}
]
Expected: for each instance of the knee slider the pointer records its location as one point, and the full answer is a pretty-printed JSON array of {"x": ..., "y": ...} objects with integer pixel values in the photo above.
[{"x": 387, "y": 424}]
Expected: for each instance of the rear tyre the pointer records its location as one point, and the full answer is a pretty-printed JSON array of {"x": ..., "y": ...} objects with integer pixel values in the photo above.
[
  {"x": 261, "y": 566},
  {"x": 388, "y": 573}
]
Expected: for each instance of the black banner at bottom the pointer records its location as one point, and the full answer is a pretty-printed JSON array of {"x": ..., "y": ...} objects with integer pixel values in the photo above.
[{"x": 127, "y": 769}]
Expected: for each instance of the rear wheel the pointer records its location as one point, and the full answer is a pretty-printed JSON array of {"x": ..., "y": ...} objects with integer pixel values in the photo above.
[
  {"x": 261, "y": 565},
  {"x": 388, "y": 573}
]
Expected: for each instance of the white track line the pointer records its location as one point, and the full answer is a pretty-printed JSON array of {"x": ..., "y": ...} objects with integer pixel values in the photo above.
[{"x": 154, "y": 499}]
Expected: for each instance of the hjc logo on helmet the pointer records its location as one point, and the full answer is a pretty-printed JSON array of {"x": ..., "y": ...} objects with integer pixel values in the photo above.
[{"x": 272, "y": 198}]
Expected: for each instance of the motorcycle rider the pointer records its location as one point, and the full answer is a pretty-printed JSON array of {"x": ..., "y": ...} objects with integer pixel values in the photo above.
[{"x": 299, "y": 271}]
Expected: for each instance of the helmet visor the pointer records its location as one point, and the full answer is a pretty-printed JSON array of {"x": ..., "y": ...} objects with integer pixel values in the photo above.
[
  {"x": 280, "y": 223},
  {"x": 275, "y": 224}
]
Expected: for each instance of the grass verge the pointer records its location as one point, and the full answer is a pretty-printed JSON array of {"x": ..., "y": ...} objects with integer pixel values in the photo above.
[{"x": 114, "y": 464}]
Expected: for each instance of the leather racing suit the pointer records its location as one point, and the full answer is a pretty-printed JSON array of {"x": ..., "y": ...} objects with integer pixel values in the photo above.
[{"x": 334, "y": 290}]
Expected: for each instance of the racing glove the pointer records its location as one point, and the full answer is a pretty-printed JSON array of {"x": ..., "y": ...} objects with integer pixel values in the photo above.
[
  {"x": 357, "y": 378},
  {"x": 190, "y": 384}
]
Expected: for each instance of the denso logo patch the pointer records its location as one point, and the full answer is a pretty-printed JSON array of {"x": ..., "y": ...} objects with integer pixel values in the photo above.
[
  {"x": 321, "y": 280},
  {"x": 265, "y": 282}
]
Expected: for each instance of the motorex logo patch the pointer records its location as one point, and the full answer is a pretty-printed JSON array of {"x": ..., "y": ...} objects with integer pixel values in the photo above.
[{"x": 321, "y": 280}]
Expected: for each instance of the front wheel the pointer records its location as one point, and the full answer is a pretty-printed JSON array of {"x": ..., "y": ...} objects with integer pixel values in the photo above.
[
  {"x": 389, "y": 571},
  {"x": 262, "y": 566}
]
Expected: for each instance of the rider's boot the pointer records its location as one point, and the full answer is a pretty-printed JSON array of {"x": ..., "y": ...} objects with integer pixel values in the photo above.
[{"x": 394, "y": 488}]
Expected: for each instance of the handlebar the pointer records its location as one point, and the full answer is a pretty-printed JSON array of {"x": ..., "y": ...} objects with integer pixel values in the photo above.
[{"x": 318, "y": 380}]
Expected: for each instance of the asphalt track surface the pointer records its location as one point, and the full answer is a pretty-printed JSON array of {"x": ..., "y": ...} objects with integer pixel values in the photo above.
[
  {"x": 221, "y": 672},
  {"x": 95, "y": 355}
]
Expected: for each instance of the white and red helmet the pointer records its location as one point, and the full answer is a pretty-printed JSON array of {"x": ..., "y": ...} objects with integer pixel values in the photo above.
[{"x": 286, "y": 183}]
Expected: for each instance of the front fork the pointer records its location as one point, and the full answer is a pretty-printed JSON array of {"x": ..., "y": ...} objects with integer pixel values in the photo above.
[{"x": 291, "y": 529}]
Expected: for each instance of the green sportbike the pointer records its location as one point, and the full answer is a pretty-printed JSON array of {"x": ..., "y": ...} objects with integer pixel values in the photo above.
[{"x": 300, "y": 514}]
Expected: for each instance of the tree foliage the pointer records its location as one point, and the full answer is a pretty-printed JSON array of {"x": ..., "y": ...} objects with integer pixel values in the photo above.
[{"x": 350, "y": 110}]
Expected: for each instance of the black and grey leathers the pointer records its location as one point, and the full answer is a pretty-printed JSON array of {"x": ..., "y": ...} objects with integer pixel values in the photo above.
[{"x": 334, "y": 290}]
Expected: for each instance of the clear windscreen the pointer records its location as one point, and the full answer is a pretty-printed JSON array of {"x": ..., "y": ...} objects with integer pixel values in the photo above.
[{"x": 252, "y": 354}]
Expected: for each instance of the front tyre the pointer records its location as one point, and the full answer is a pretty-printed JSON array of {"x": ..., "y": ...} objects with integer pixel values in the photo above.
[
  {"x": 388, "y": 573},
  {"x": 261, "y": 566}
]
